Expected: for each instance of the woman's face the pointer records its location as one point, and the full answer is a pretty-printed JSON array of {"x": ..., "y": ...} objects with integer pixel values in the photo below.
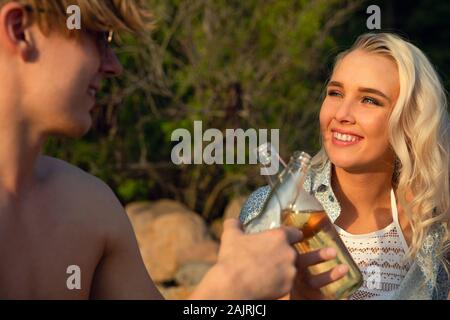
[{"x": 361, "y": 95}]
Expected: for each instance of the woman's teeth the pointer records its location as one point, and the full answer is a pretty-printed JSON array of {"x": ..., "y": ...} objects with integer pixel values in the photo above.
[{"x": 344, "y": 137}]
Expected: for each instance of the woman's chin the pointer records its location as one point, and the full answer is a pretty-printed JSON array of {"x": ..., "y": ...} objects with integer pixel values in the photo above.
[{"x": 346, "y": 162}]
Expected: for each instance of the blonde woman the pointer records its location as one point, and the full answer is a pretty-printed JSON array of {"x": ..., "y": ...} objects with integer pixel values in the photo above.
[{"x": 382, "y": 174}]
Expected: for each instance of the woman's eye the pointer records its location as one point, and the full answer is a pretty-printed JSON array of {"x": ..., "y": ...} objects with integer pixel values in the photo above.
[
  {"x": 334, "y": 94},
  {"x": 371, "y": 101}
]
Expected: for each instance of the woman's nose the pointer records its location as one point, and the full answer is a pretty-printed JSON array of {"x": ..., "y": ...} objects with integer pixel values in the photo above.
[
  {"x": 344, "y": 113},
  {"x": 110, "y": 65}
]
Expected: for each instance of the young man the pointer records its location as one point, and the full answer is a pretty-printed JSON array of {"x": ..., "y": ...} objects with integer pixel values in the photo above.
[{"x": 53, "y": 215}]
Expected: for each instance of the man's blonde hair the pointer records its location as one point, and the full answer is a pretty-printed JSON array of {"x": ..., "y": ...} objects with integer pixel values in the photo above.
[{"x": 98, "y": 15}]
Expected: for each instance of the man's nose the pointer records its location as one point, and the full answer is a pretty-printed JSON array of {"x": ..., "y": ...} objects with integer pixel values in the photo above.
[{"x": 110, "y": 65}]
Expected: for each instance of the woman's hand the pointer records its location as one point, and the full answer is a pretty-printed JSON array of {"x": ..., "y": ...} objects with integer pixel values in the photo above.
[{"x": 307, "y": 286}]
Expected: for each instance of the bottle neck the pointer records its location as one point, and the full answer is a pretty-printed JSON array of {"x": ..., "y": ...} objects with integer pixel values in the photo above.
[
  {"x": 300, "y": 161},
  {"x": 274, "y": 179}
]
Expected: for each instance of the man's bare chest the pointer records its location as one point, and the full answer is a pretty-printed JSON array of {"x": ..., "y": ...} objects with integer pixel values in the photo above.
[{"x": 47, "y": 255}]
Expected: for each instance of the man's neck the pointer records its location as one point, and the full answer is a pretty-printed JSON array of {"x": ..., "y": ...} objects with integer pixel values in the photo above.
[
  {"x": 362, "y": 193},
  {"x": 20, "y": 148}
]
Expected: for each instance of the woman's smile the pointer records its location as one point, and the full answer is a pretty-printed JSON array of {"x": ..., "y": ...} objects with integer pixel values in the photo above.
[{"x": 344, "y": 139}]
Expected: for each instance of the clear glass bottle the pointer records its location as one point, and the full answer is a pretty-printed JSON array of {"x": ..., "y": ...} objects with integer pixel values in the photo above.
[
  {"x": 289, "y": 204},
  {"x": 284, "y": 186},
  {"x": 308, "y": 215}
]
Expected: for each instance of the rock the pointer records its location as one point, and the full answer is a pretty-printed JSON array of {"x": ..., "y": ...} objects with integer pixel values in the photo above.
[
  {"x": 168, "y": 234},
  {"x": 135, "y": 208},
  {"x": 206, "y": 251},
  {"x": 176, "y": 293},
  {"x": 167, "y": 206},
  {"x": 191, "y": 273},
  {"x": 232, "y": 210},
  {"x": 140, "y": 214}
]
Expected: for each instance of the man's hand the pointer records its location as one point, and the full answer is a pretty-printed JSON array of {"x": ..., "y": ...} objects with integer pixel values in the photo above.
[{"x": 255, "y": 266}]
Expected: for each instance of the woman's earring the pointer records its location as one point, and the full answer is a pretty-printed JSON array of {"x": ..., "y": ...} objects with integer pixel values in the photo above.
[{"x": 397, "y": 167}]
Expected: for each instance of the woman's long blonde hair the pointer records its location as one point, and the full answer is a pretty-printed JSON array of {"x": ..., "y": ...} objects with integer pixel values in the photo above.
[{"x": 419, "y": 136}]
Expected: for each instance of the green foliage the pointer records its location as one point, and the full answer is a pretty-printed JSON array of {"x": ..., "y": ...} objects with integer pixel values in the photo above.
[
  {"x": 132, "y": 189},
  {"x": 230, "y": 63}
]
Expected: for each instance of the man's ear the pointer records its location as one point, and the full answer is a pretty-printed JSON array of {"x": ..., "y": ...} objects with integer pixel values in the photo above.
[{"x": 13, "y": 29}]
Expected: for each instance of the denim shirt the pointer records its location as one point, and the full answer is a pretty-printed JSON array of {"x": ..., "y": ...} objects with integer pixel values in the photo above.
[{"x": 426, "y": 278}]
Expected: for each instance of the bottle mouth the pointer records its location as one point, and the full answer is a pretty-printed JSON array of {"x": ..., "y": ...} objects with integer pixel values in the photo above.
[
  {"x": 265, "y": 153},
  {"x": 301, "y": 157}
]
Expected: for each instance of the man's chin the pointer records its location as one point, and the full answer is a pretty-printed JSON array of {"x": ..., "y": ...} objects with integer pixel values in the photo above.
[
  {"x": 78, "y": 134},
  {"x": 81, "y": 131},
  {"x": 74, "y": 129}
]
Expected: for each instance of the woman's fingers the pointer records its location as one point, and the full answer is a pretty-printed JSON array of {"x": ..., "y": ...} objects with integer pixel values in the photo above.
[
  {"x": 315, "y": 257},
  {"x": 320, "y": 280}
]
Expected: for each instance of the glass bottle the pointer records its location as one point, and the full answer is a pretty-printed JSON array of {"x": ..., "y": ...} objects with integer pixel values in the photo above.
[
  {"x": 308, "y": 215},
  {"x": 284, "y": 188},
  {"x": 289, "y": 204}
]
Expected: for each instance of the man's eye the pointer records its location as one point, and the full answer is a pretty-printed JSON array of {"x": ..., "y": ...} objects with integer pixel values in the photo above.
[{"x": 371, "y": 101}]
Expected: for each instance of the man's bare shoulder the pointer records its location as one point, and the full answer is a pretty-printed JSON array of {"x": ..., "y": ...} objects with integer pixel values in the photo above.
[
  {"x": 84, "y": 194},
  {"x": 62, "y": 174}
]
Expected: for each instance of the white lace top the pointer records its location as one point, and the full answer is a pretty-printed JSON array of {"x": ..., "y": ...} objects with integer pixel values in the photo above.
[{"x": 380, "y": 256}]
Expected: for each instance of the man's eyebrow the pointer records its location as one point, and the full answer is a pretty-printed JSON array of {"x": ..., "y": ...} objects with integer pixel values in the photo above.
[{"x": 367, "y": 90}]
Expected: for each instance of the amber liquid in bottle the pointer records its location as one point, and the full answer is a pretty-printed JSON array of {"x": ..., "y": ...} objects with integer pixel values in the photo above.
[{"x": 319, "y": 232}]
